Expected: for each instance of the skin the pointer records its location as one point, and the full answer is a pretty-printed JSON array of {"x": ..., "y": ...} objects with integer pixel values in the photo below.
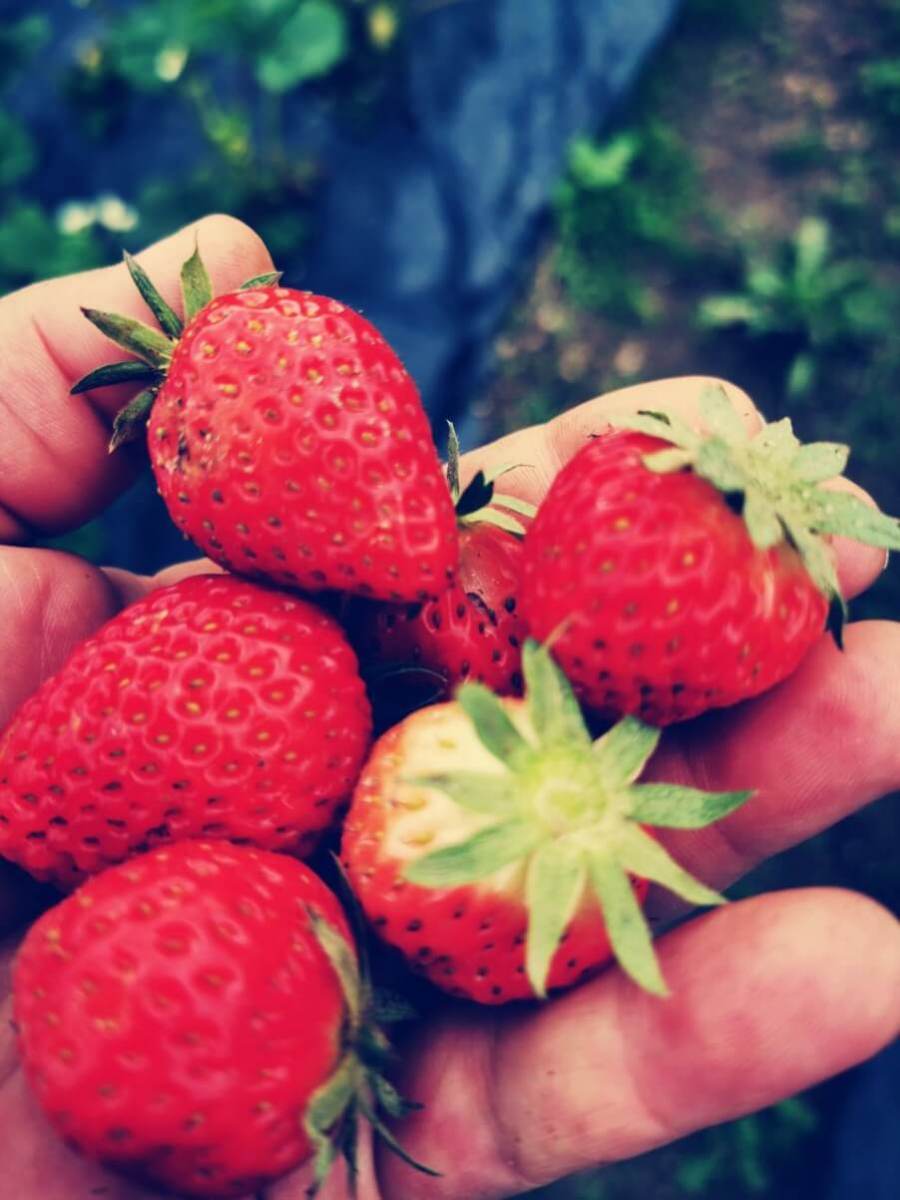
[{"x": 769, "y": 995}]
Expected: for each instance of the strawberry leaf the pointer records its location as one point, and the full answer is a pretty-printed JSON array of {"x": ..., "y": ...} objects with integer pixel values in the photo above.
[
  {"x": 493, "y": 795},
  {"x": 196, "y": 288},
  {"x": 268, "y": 279},
  {"x": 553, "y": 887},
  {"x": 664, "y": 462},
  {"x": 514, "y": 504},
  {"x": 626, "y": 926},
  {"x": 325, "y": 1109},
  {"x": 130, "y": 371},
  {"x": 495, "y": 730},
  {"x": 761, "y": 519},
  {"x": 342, "y": 959},
  {"x": 479, "y": 856},
  {"x": 453, "y": 461},
  {"x": 168, "y": 319},
  {"x": 641, "y": 855},
  {"x": 130, "y": 421},
  {"x": 818, "y": 461},
  {"x": 554, "y": 711},
  {"x": 848, "y": 516},
  {"x": 623, "y": 751},
  {"x": 720, "y": 417},
  {"x": 713, "y": 462},
  {"x": 134, "y": 336},
  {"x": 493, "y": 516},
  {"x": 671, "y": 806}
]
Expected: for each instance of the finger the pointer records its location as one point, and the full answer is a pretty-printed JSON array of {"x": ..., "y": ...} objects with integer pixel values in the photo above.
[
  {"x": 768, "y": 997},
  {"x": 815, "y": 749},
  {"x": 546, "y": 448},
  {"x": 55, "y": 471}
]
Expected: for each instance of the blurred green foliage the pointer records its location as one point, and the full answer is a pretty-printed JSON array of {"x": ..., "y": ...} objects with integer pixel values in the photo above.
[{"x": 347, "y": 50}]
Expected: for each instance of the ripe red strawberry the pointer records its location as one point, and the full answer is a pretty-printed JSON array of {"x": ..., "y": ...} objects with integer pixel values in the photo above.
[
  {"x": 492, "y": 842},
  {"x": 674, "y": 571},
  {"x": 214, "y": 707},
  {"x": 287, "y": 439},
  {"x": 195, "y": 1018},
  {"x": 472, "y": 630}
]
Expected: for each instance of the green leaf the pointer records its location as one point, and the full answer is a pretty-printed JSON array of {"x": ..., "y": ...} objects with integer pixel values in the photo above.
[
  {"x": 847, "y": 515},
  {"x": 642, "y": 855},
  {"x": 452, "y": 461},
  {"x": 716, "y": 312},
  {"x": 720, "y": 416},
  {"x": 658, "y": 425},
  {"x": 623, "y": 751},
  {"x": 493, "y": 516},
  {"x": 553, "y": 887},
  {"x": 131, "y": 371},
  {"x": 598, "y": 167},
  {"x": 525, "y": 507},
  {"x": 818, "y": 461},
  {"x": 495, "y": 730},
  {"x": 311, "y": 43},
  {"x": 18, "y": 158},
  {"x": 493, "y": 795},
  {"x": 479, "y": 856},
  {"x": 130, "y": 422},
  {"x": 626, "y": 926},
  {"x": 269, "y": 279},
  {"x": 811, "y": 242},
  {"x": 196, "y": 288},
  {"x": 816, "y": 554},
  {"x": 664, "y": 462},
  {"x": 169, "y": 320},
  {"x": 389, "y": 1140},
  {"x": 552, "y": 706},
  {"x": 777, "y": 442},
  {"x": 761, "y": 519},
  {"x": 342, "y": 959},
  {"x": 134, "y": 336},
  {"x": 390, "y": 1008},
  {"x": 714, "y": 462},
  {"x": 325, "y": 1108},
  {"x": 801, "y": 375},
  {"x": 670, "y": 806}
]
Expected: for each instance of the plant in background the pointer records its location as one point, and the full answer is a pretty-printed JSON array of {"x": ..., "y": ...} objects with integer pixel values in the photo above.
[
  {"x": 621, "y": 207},
  {"x": 801, "y": 292}
]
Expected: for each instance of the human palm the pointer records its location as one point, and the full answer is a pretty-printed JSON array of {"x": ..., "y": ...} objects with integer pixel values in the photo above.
[{"x": 768, "y": 995}]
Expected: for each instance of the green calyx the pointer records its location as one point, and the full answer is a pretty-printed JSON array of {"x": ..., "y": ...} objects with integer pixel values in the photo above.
[
  {"x": 572, "y": 813},
  {"x": 358, "y": 1087},
  {"x": 479, "y": 501},
  {"x": 778, "y": 482},
  {"x": 152, "y": 348}
]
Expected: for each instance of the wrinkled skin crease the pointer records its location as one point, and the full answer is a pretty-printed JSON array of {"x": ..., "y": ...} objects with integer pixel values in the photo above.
[{"x": 768, "y": 996}]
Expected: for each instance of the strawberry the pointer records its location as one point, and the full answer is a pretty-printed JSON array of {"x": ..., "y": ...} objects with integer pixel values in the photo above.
[
  {"x": 472, "y": 629},
  {"x": 195, "y": 1017},
  {"x": 286, "y": 437},
  {"x": 213, "y": 707},
  {"x": 503, "y": 852},
  {"x": 676, "y": 571}
]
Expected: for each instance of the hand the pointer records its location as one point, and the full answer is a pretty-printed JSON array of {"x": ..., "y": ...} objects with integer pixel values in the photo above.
[{"x": 769, "y": 995}]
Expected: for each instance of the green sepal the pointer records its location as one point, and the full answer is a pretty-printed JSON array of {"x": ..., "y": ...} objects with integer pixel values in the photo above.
[
  {"x": 623, "y": 751},
  {"x": 665, "y": 462},
  {"x": 554, "y": 884},
  {"x": 130, "y": 371},
  {"x": 514, "y": 504},
  {"x": 134, "y": 336},
  {"x": 846, "y": 515},
  {"x": 390, "y": 1008},
  {"x": 671, "y": 806},
  {"x": 325, "y": 1109},
  {"x": 485, "y": 852},
  {"x": 168, "y": 319},
  {"x": 453, "y": 461},
  {"x": 129, "y": 422},
  {"x": 554, "y": 711},
  {"x": 817, "y": 462},
  {"x": 493, "y": 516},
  {"x": 477, "y": 791},
  {"x": 626, "y": 926},
  {"x": 719, "y": 416},
  {"x": 495, "y": 730},
  {"x": 642, "y": 855},
  {"x": 342, "y": 960},
  {"x": 196, "y": 288},
  {"x": 268, "y": 279},
  {"x": 370, "y": 1113},
  {"x": 761, "y": 519}
]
